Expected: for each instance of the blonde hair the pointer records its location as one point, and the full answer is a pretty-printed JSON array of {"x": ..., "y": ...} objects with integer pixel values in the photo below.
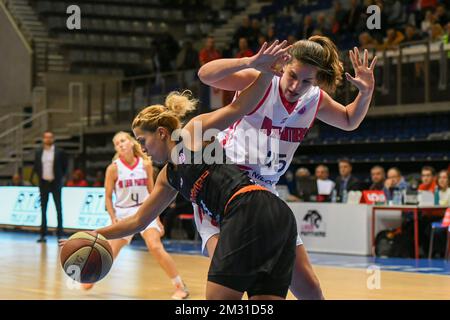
[
  {"x": 169, "y": 115},
  {"x": 321, "y": 52},
  {"x": 137, "y": 150}
]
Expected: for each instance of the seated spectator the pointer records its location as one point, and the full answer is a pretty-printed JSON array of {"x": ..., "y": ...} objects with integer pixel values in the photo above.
[
  {"x": 436, "y": 33},
  {"x": 339, "y": 16},
  {"x": 244, "y": 50},
  {"x": 411, "y": 33},
  {"x": 306, "y": 186},
  {"x": 271, "y": 36},
  {"x": 261, "y": 39},
  {"x": 77, "y": 179},
  {"x": 307, "y": 28},
  {"x": 209, "y": 52},
  {"x": 353, "y": 16},
  {"x": 428, "y": 179},
  {"x": 244, "y": 31},
  {"x": 367, "y": 42},
  {"x": 324, "y": 185},
  {"x": 187, "y": 58},
  {"x": 99, "y": 179},
  {"x": 255, "y": 34},
  {"x": 291, "y": 39},
  {"x": 425, "y": 25},
  {"x": 322, "y": 25},
  {"x": 17, "y": 181},
  {"x": 393, "y": 39},
  {"x": 394, "y": 182},
  {"x": 441, "y": 15},
  {"x": 345, "y": 180},
  {"x": 444, "y": 188},
  {"x": 378, "y": 176}
]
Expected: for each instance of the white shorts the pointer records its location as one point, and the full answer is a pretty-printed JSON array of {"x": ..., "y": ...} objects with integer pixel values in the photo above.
[
  {"x": 122, "y": 213},
  {"x": 206, "y": 229}
]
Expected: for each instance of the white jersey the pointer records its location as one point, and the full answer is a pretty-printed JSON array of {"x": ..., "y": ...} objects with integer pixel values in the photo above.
[
  {"x": 280, "y": 128},
  {"x": 131, "y": 185}
]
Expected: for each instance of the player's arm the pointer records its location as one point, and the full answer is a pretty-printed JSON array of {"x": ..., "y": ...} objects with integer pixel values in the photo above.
[
  {"x": 149, "y": 169},
  {"x": 222, "y": 118},
  {"x": 233, "y": 74},
  {"x": 350, "y": 117},
  {"x": 163, "y": 194},
  {"x": 110, "y": 180}
]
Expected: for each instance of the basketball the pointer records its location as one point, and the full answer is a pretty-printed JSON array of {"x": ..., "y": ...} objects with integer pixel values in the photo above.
[{"x": 86, "y": 257}]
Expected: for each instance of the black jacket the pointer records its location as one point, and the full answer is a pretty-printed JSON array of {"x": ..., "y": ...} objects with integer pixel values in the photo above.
[
  {"x": 353, "y": 184},
  {"x": 59, "y": 164}
]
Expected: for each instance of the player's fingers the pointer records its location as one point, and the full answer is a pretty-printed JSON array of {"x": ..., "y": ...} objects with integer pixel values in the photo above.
[
  {"x": 352, "y": 58},
  {"x": 374, "y": 62},
  {"x": 366, "y": 58}
]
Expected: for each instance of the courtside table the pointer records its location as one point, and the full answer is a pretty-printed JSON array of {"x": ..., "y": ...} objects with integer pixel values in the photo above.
[{"x": 405, "y": 208}]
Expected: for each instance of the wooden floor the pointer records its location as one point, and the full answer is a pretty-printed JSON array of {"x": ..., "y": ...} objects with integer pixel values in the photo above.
[{"x": 32, "y": 271}]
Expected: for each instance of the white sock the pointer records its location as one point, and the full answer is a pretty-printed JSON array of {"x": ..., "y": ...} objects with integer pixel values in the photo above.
[{"x": 177, "y": 281}]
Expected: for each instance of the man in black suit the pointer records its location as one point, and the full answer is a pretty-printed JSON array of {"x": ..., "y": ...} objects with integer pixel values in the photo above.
[
  {"x": 50, "y": 165},
  {"x": 345, "y": 180}
]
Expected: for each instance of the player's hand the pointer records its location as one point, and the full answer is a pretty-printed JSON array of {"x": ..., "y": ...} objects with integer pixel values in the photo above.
[
  {"x": 62, "y": 242},
  {"x": 271, "y": 59},
  {"x": 363, "y": 79}
]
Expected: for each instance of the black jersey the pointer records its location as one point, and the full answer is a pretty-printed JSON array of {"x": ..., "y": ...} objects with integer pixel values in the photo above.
[{"x": 209, "y": 185}]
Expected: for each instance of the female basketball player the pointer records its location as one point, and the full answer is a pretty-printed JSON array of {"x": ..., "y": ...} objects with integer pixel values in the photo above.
[
  {"x": 290, "y": 105},
  {"x": 130, "y": 177},
  {"x": 251, "y": 254}
]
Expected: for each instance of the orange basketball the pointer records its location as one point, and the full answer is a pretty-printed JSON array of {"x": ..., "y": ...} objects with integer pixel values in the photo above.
[{"x": 86, "y": 257}]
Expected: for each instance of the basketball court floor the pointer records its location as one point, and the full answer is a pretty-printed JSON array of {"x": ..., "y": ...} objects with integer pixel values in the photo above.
[{"x": 32, "y": 271}]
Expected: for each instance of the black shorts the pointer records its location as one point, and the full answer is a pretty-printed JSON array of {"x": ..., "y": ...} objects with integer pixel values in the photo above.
[{"x": 256, "y": 248}]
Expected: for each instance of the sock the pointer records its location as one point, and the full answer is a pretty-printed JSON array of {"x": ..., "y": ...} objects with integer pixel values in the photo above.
[{"x": 177, "y": 281}]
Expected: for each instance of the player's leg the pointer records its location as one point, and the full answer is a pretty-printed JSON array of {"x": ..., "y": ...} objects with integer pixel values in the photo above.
[
  {"x": 305, "y": 284},
  {"x": 215, "y": 291},
  {"x": 152, "y": 237},
  {"x": 209, "y": 233}
]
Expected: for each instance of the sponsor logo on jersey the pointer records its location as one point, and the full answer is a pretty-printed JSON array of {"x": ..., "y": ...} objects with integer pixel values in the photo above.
[
  {"x": 132, "y": 183},
  {"x": 285, "y": 134},
  {"x": 198, "y": 186}
]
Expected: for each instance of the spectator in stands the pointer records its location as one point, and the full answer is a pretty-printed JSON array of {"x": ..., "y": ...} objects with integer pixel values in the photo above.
[
  {"x": 345, "y": 180},
  {"x": 17, "y": 181},
  {"x": 77, "y": 180},
  {"x": 436, "y": 33},
  {"x": 411, "y": 33},
  {"x": 99, "y": 179},
  {"x": 322, "y": 26},
  {"x": 339, "y": 18},
  {"x": 324, "y": 185},
  {"x": 209, "y": 52},
  {"x": 378, "y": 176},
  {"x": 427, "y": 23},
  {"x": 353, "y": 16},
  {"x": 187, "y": 58},
  {"x": 244, "y": 31},
  {"x": 244, "y": 50},
  {"x": 306, "y": 186},
  {"x": 271, "y": 37},
  {"x": 441, "y": 15},
  {"x": 444, "y": 188},
  {"x": 307, "y": 28},
  {"x": 291, "y": 39},
  {"x": 256, "y": 33},
  {"x": 261, "y": 39},
  {"x": 393, "y": 39},
  {"x": 428, "y": 175},
  {"x": 394, "y": 182},
  {"x": 396, "y": 13},
  {"x": 367, "y": 42}
]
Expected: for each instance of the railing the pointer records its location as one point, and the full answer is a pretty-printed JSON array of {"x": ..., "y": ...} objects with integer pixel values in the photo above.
[{"x": 120, "y": 100}]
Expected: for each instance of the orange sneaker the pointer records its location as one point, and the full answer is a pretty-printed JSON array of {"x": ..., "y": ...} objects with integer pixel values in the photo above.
[{"x": 87, "y": 286}]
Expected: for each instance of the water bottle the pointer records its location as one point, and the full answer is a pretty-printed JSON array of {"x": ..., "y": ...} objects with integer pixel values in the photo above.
[
  {"x": 333, "y": 196},
  {"x": 397, "y": 200},
  {"x": 344, "y": 196},
  {"x": 436, "y": 196}
]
